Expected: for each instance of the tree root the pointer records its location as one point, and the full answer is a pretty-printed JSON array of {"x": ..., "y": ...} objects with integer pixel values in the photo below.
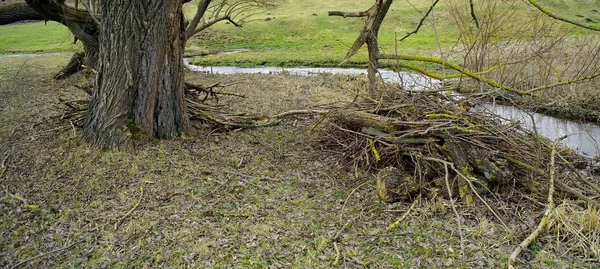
[{"x": 75, "y": 65}]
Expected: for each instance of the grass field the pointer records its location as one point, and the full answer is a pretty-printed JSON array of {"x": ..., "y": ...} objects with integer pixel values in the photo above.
[
  {"x": 300, "y": 32},
  {"x": 36, "y": 37}
]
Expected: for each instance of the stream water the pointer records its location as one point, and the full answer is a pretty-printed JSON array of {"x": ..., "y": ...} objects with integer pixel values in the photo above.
[
  {"x": 583, "y": 138},
  {"x": 409, "y": 80}
]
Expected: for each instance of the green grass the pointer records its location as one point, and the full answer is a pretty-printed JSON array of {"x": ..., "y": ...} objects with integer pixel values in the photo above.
[
  {"x": 300, "y": 32},
  {"x": 35, "y": 38},
  {"x": 259, "y": 198}
]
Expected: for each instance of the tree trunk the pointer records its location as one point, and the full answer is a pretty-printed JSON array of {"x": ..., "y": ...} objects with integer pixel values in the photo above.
[
  {"x": 383, "y": 6},
  {"x": 139, "y": 85}
]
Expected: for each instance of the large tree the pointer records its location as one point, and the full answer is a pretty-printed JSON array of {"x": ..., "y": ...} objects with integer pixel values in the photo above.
[{"x": 139, "y": 85}]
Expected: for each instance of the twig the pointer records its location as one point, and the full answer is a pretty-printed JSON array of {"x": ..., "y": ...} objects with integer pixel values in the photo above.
[
  {"x": 3, "y": 165},
  {"x": 337, "y": 235},
  {"x": 399, "y": 221},
  {"x": 350, "y": 195},
  {"x": 468, "y": 180},
  {"x": 458, "y": 219},
  {"x": 559, "y": 183},
  {"x": 544, "y": 221},
  {"x": 472, "y": 7},
  {"x": 578, "y": 174},
  {"x": 421, "y": 21},
  {"x": 132, "y": 209},
  {"x": 47, "y": 253},
  {"x": 338, "y": 254}
]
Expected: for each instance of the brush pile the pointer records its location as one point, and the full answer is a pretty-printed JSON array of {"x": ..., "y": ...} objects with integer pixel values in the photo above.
[{"x": 439, "y": 144}]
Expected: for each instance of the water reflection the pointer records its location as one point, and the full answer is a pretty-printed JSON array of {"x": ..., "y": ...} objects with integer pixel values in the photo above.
[{"x": 583, "y": 138}]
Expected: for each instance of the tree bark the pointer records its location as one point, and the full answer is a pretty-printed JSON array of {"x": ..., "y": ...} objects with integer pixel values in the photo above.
[{"x": 139, "y": 86}]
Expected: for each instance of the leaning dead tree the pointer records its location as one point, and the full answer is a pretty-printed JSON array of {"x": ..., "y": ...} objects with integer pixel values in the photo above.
[{"x": 368, "y": 35}]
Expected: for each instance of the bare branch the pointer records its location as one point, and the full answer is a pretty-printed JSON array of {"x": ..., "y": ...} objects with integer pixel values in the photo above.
[
  {"x": 422, "y": 20},
  {"x": 456, "y": 67},
  {"x": 557, "y": 17},
  {"x": 202, "y": 7},
  {"x": 472, "y": 7}
]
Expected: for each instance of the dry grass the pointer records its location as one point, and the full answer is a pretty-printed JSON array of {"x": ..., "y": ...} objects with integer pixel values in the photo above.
[
  {"x": 577, "y": 228},
  {"x": 250, "y": 199}
]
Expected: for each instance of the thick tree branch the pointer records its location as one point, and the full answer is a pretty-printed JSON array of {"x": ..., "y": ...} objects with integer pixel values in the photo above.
[
  {"x": 16, "y": 12},
  {"x": 456, "y": 67},
  {"x": 202, "y": 7},
  {"x": 53, "y": 10},
  {"x": 81, "y": 23}
]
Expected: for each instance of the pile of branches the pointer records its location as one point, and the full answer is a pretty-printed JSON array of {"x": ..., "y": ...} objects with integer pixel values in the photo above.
[{"x": 437, "y": 144}]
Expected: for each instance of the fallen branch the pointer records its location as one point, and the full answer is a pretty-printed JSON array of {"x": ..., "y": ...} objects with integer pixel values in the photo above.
[
  {"x": 544, "y": 221},
  {"x": 300, "y": 112},
  {"x": 139, "y": 201},
  {"x": 47, "y": 253},
  {"x": 578, "y": 174},
  {"x": 559, "y": 183},
  {"x": 396, "y": 224},
  {"x": 458, "y": 219},
  {"x": 350, "y": 14}
]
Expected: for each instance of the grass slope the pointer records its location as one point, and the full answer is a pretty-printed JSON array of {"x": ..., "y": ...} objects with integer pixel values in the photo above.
[
  {"x": 299, "y": 32},
  {"x": 35, "y": 38}
]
